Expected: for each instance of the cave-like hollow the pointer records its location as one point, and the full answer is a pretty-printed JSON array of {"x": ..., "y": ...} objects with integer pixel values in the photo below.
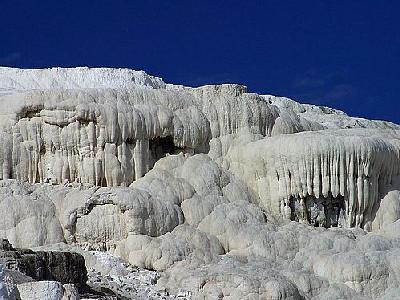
[
  {"x": 320, "y": 212},
  {"x": 159, "y": 147}
]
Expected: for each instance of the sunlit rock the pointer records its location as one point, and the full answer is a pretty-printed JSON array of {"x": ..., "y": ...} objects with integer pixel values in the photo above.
[{"x": 221, "y": 193}]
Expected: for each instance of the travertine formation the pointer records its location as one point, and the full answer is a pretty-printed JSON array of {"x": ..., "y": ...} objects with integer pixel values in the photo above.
[
  {"x": 227, "y": 194},
  {"x": 330, "y": 177}
]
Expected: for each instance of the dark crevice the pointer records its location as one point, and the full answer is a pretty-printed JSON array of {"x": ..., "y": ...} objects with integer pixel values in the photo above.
[
  {"x": 319, "y": 212},
  {"x": 29, "y": 113},
  {"x": 159, "y": 147}
]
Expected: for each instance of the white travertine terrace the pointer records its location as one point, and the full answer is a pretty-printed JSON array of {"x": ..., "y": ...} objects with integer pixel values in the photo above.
[
  {"x": 354, "y": 164},
  {"x": 104, "y": 136},
  {"x": 12, "y": 79},
  {"x": 201, "y": 184}
]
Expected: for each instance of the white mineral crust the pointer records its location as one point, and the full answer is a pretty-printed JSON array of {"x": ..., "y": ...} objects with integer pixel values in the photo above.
[{"x": 224, "y": 193}]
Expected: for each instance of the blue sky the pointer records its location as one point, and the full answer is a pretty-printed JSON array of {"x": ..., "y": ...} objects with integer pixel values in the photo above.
[{"x": 344, "y": 54}]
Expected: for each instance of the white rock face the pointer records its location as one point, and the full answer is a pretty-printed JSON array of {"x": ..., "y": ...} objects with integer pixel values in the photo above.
[
  {"x": 24, "y": 211},
  {"x": 328, "y": 117},
  {"x": 113, "y": 137},
  {"x": 227, "y": 194},
  {"x": 299, "y": 175},
  {"x": 47, "y": 290},
  {"x": 75, "y": 78}
]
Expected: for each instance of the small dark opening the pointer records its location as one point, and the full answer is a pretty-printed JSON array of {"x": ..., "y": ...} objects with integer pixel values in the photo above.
[
  {"x": 161, "y": 146},
  {"x": 323, "y": 211}
]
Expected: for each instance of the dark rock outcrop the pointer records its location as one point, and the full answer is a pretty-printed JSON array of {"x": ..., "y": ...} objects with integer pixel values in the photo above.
[{"x": 64, "y": 267}]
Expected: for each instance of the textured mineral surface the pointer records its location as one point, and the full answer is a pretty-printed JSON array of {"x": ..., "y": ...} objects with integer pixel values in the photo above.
[{"x": 134, "y": 188}]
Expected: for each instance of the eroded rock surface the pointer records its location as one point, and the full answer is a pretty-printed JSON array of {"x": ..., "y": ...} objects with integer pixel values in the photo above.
[
  {"x": 41, "y": 274},
  {"x": 217, "y": 192}
]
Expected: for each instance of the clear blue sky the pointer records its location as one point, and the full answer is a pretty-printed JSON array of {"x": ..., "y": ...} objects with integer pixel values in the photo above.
[{"x": 344, "y": 54}]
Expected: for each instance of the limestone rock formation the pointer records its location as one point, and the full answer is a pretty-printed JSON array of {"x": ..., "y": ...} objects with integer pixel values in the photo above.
[
  {"x": 39, "y": 290},
  {"x": 219, "y": 193},
  {"x": 326, "y": 177},
  {"x": 42, "y": 265},
  {"x": 41, "y": 274}
]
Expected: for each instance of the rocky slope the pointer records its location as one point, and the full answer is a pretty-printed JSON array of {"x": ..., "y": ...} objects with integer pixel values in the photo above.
[{"x": 220, "y": 192}]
